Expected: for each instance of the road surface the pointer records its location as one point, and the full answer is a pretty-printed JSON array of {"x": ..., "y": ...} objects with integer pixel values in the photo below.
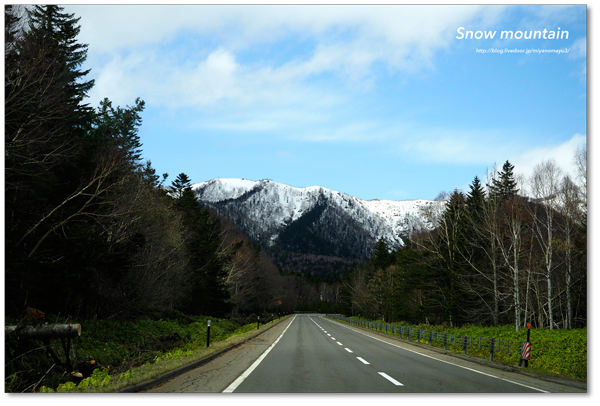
[{"x": 313, "y": 354}]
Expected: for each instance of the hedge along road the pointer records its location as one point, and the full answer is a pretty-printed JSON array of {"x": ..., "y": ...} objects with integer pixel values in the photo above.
[{"x": 310, "y": 353}]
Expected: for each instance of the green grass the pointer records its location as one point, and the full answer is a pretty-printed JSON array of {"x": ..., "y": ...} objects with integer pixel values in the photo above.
[
  {"x": 132, "y": 352},
  {"x": 553, "y": 352}
]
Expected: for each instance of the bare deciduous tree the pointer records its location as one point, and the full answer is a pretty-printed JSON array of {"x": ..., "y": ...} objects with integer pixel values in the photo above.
[
  {"x": 545, "y": 187},
  {"x": 569, "y": 208},
  {"x": 510, "y": 244}
]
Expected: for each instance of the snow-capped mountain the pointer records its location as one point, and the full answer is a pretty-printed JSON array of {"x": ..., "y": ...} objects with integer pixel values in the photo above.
[{"x": 312, "y": 220}]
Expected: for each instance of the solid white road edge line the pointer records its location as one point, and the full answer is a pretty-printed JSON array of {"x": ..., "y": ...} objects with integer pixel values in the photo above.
[
  {"x": 389, "y": 378},
  {"x": 447, "y": 362},
  {"x": 243, "y": 376}
]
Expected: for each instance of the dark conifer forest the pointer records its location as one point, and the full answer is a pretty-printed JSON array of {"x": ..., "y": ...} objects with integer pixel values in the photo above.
[{"x": 91, "y": 230}]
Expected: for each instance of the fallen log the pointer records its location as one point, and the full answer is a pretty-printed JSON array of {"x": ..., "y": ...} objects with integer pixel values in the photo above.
[{"x": 44, "y": 331}]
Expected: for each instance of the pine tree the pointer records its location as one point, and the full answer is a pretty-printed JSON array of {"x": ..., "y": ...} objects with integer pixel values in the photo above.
[
  {"x": 475, "y": 201},
  {"x": 208, "y": 293},
  {"x": 49, "y": 25},
  {"x": 445, "y": 245},
  {"x": 118, "y": 128},
  {"x": 179, "y": 185},
  {"x": 382, "y": 258},
  {"x": 477, "y": 251},
  {"x": 504, "y": 186}
]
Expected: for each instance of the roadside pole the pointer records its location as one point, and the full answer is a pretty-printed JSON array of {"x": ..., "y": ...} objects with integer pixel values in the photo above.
[
  {"x": 208, "y": 335},
  {"x": 526, "y": 349}
]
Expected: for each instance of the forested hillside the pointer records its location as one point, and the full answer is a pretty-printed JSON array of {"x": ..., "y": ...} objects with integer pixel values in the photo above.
[
  {"x": 495, "y": 257},
  {"x": 313, "y": 230},
  {"x": 91, "y": 230}
]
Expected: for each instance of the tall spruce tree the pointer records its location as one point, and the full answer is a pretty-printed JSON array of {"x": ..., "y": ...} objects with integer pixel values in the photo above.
[
  {"x": 475, "y": 200},
  {"x": 479, "y": 280},
  {"x": 382, "y": 257},
  {"x": 51, "y": 26},
  {"x": 45, "y": 122},
  {"x": 181, "y": 183},
  {"x": 444, "y": 245},
  {"x": 208, "y": 294},
  {"x": 504, "y": 186},
  {"x": 118, "y": 128}
]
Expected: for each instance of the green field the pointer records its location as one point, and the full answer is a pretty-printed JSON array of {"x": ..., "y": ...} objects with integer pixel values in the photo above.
[
  {"x": 128, "y": 352},
  {"x": 553, "y": 352}
]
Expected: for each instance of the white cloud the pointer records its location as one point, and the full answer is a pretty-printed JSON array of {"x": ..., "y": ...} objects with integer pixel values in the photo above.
[
  {"x": 579, "y": 48},
  {"x": 208, "y": 82},
  {"x": 563, "y": 154},
  {"x": 455, "y": 146},
  {"x": 487, "y": 148},
  {"x": 133, "y": 26},
  {"x": 128, "y": 59},
  {"x": 161, "y": 81}
]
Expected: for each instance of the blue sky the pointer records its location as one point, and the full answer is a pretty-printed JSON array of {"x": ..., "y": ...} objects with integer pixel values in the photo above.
[{"x": 380, "y": 102}]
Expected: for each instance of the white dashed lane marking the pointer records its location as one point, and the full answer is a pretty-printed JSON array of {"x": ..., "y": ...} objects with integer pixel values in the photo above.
[
  {"x": 386, "y": 376},
  {"x": 389, "y": 378}
]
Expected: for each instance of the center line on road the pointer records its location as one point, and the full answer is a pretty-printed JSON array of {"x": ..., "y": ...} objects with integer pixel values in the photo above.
[
  {"x": 363, "y": 361},
  {"x": 332, "y": 338},
  {"x": 347, "y": 349},
  {"x": 440, "y": 360},
  {"x": 340, "y": 343},
  {"x": 329, "y": 335},
  {"x": 389, "y": 378}
]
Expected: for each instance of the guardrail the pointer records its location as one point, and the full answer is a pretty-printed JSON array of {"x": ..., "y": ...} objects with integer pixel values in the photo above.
[{"x": 479, "y": 346}]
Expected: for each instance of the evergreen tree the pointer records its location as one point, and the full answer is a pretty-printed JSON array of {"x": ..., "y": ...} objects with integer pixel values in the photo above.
[
  {"x": 445, "y": 245},
  {"x": 179, "y": 185},
  {"x": 475, "y": 201},
  {"x": 208, "y": 293},
  {"x": 382, "y": 257},
  {"x": 49, "y": 25},
  {"x": 477, "y": 251},
  {"x": 118, "y": 128},
  {"x": 504, "y": 186},
  {"x": 45, "y": 123}
]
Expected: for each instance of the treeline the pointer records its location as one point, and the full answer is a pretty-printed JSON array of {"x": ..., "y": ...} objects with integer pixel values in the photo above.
[
  {"x": 512, "y": 252},
  {"x": 91, "y": 230}
]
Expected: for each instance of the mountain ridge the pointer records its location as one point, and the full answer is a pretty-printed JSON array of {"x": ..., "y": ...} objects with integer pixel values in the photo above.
[{"x": 312, "y": 220}]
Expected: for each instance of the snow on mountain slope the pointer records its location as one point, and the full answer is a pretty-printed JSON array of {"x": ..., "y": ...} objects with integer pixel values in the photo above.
[
  {"x": 265, "y": 208},
  {"x": 220, "y": 189}
]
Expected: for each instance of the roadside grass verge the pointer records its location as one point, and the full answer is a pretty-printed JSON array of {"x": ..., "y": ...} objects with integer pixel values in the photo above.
[
  {"x": 166, "y": 362},
  {"x": 560, "y": 352},
  {"x": 129, "y": 353}
]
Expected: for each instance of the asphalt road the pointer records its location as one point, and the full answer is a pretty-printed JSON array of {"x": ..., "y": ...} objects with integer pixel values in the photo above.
[{"x": 313, "y": 354}]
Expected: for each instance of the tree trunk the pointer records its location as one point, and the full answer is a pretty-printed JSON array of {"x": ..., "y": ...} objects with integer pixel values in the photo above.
[{"x": 45, "y": 331}]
